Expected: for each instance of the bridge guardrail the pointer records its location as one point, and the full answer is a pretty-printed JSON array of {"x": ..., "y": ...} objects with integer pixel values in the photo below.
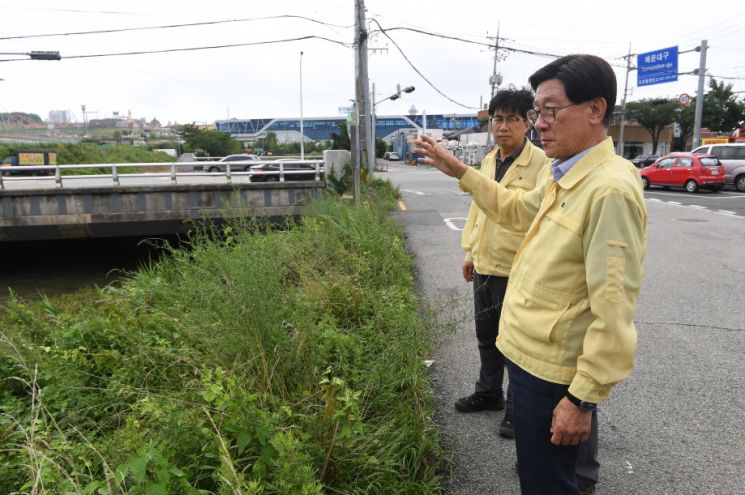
[{"x": 174, "y": 173}]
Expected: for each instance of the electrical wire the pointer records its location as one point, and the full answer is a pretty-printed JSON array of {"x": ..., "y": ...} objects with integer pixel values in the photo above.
[
  {"x": 191, "y": 49},
  {"x": 418, "y": 71},
  {"x": 171, "y": 26},
  {"x": 456, "y": 38}
]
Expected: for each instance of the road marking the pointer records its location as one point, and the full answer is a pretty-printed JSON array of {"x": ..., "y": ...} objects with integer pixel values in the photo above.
[
  {"x": 401, "y": 206},
  {"x": 418, "y": 193},
  {"x": 449, "y": 223},
  {"x": 728, "y": 213},
  {"x": 629, "y": 468},
  {"x": 719, "y": 195}
]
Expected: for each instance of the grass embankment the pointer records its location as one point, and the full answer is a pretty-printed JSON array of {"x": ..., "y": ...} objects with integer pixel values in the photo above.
[
  {"x": 82, "y": 153},
  {"x": 282, "y": 362}
]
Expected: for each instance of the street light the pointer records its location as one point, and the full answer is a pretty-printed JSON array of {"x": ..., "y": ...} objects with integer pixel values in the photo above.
[
  {"x": 302, "y": 136},
  {"x": 394, "y": 96},
  {"x": 37, "y": 55},
  {"x": 397, "y": 94}
]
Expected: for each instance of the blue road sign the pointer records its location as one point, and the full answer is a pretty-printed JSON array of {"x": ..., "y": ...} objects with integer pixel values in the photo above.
[{"x": 659, "y": 66}]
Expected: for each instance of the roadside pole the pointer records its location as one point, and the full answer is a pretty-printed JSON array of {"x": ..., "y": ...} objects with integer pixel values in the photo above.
[
  {"x": 700, "y": 96},
  {"x": 619, "y": 151}
]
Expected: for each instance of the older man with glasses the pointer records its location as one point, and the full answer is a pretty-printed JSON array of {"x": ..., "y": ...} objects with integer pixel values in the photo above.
[{"x": 567, "y": 326}]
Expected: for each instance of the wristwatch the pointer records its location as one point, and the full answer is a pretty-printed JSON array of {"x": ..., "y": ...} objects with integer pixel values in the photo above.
[{"x": 581, "y": 405}]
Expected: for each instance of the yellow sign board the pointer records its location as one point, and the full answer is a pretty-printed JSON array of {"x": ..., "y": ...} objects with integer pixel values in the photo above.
[
  {"x": 714, "y": 140},
  {"x": 37, "y": 158}
]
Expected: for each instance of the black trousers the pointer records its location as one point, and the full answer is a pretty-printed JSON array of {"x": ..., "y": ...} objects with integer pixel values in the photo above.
[
  {"x": 543, "y": 467},
  {"x": 488, "y": 296}
]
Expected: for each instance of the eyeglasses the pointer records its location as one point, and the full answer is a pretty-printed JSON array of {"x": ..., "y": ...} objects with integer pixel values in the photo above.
[
  {"x": 548, "y": 113},
  {"x": 511, "y": 120}
]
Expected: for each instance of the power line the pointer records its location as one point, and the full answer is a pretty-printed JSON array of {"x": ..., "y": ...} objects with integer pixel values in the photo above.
[
  {"x": 417, "y": 70},
  {"x": 190, "y": 49},
  {"x": 456, "y": 38},
  {"x": 171, "y": 26}
]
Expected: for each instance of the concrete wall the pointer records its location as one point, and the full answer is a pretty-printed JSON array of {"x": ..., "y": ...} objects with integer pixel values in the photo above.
[
  {"x": 126, "y": 211},
  {"x": 334, "y": 162}
]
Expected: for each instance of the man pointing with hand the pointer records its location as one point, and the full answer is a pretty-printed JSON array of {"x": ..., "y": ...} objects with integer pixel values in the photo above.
[{"x": 566, "y": 327}]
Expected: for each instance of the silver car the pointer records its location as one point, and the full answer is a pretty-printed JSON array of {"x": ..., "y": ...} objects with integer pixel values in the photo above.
[
  {"x": 732, "y": 156},
  {"x": 239, "y": 165}
]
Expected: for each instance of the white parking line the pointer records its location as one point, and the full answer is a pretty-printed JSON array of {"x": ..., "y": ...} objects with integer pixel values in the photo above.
[
  {"x": 418, "y": 193},
  {"x": 727, "y": 212},
  {"x": 698, "y": 206}
]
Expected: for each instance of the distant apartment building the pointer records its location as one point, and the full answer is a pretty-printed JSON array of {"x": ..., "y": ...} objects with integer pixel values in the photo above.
[{"x": 60, "y": 116}]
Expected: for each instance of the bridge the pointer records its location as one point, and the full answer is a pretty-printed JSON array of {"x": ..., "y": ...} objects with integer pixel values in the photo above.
[{"x": 140, "y": 199}]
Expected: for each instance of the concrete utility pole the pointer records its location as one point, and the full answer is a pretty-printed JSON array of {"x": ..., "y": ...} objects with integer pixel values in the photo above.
[
  {"x": 619, "y": 151},
  {"x": 700, "y": 96},
  {"x": 362, "y": 86},
  {"x": 495, "y": 80},
  {"x": 302, "y": 134}
]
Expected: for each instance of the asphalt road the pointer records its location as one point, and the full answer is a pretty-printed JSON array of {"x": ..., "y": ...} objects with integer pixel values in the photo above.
[{"x": 677, "y": 425}]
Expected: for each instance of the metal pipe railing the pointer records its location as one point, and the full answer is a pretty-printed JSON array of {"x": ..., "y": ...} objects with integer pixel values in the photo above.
[{"x": 54, "y": 173}]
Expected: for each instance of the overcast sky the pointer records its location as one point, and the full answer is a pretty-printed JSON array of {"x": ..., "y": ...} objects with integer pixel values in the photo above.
[{"x": 263, "y": 80}]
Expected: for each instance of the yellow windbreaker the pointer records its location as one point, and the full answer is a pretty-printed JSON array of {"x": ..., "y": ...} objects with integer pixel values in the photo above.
[
  {"x": 569, "y": 308},
  {"x": 489, "y": 245}
]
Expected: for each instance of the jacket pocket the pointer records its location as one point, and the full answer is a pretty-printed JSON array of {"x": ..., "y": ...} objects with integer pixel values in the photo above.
[
  {"x": 536, "y": 316},
  {"x": 614, "y": 273}
]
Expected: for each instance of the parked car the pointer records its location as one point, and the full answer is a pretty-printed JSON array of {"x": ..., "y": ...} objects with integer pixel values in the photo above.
[
  {"x": 238, "y": 166},
  {"x": 685, "y": 170},
  {"x": 391, "y": 155},
  {"x": 644, "y": 160},
  {"x": 732, "y": 157},
  {"x": 292, "y": 169}
]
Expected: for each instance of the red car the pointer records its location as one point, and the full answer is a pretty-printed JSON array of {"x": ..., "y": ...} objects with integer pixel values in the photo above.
[{"x": 685, "y": 170}]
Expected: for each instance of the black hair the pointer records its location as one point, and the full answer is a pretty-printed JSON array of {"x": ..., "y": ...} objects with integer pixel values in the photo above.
[
  {"x": 585, "y": 77},
  {"x": 517, "y": 101}
]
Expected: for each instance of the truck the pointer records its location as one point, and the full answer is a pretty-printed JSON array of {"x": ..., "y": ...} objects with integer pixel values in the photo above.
[{"x": 11, "y": 164}]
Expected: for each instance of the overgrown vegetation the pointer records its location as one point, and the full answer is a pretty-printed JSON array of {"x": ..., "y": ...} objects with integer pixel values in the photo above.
[
  {"x": 256, "y": 362},
  {"x": 82, "y": 153}
]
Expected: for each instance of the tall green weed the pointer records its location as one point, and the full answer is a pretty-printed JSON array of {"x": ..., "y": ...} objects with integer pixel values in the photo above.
[{"x": 254, "y": 362}]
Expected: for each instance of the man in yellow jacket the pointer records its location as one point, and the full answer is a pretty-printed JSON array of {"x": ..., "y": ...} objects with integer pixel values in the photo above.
[
  {"x": 490, "y": 248},
  {"x": 567, "y": 326}
]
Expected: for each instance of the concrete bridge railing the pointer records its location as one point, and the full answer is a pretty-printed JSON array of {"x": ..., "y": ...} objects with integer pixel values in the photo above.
[{"x": 133, "y": 204}]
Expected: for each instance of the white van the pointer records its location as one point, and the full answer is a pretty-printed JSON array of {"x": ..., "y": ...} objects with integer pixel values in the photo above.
[{"x": 732, "y": 156}]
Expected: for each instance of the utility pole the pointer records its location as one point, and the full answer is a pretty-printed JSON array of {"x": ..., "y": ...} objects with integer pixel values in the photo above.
[
  {"x": 373, "y": 122},
  {"x": 302, "y": 134},
  {"x": 619, "y": 150},
  {"x": 700, "y": 95},
  {"x": 85, "y": 124},
  {"x": 362, "y": 85},
  {"x": 495, "y": 80}
]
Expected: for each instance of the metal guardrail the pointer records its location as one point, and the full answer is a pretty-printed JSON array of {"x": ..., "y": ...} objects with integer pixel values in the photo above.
[{"x": 14, "y": 172}]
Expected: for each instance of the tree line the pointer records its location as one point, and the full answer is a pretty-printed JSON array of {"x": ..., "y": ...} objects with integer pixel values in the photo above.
[{"x": 723, "y": 112}]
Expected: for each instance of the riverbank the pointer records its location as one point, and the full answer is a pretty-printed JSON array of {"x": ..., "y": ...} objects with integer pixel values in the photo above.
[{"x": 287, "y": 362}]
